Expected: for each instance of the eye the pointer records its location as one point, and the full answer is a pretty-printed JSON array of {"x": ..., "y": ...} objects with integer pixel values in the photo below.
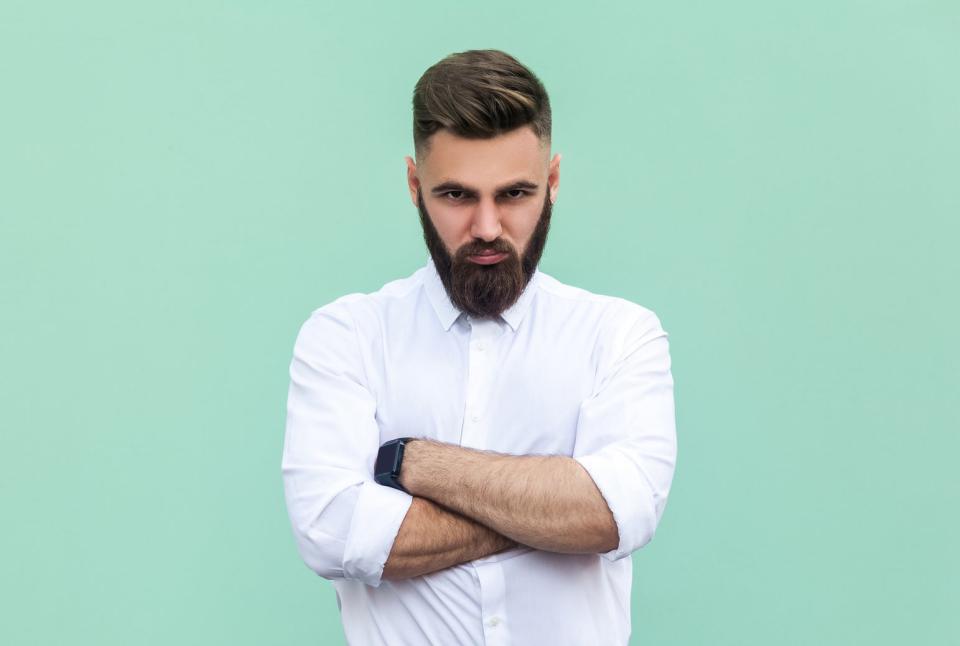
[
  {"x": 513, "y": 194},
  {"x": 451, "y": 195}
]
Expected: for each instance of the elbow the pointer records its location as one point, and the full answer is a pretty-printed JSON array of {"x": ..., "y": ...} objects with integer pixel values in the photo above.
[
  {"x": 344, "y": 530},
  {"x": 321, "y": 524},
  {"x": 625, "y": 536},
  {"x": 335, "y": 559},
  {"x": 319, "y": 533},
  {"x": 324, "y": 559},
  {"x": 329, "y": 562},
  {"x": 607, "y": 531}
]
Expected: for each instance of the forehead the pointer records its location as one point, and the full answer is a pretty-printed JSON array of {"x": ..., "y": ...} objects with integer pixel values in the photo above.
[{"x": 484, "y": 163}]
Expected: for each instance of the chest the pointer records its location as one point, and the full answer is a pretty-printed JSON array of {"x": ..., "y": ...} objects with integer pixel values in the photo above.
[{"x": 486, "y": 387}]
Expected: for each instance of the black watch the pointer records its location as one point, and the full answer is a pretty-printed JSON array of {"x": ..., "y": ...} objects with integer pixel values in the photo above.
[{"x": 389, "y": 460}]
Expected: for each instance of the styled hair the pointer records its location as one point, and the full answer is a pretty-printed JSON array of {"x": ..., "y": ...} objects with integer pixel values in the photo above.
[{"x": 478, "y": 94}]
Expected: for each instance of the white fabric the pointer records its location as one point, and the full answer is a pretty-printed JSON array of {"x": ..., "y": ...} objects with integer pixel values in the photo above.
[{"x": 563, "y": 371}]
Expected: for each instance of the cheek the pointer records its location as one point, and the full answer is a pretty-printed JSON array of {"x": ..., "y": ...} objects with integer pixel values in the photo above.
[
  {"x": 453, "y": 230},
  {"x": 521, "y": 229}
]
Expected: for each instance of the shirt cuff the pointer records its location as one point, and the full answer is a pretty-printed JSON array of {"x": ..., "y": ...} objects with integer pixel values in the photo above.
[
  {"x": 377, "y": 517},
  {"x": 629, "y": 497}
]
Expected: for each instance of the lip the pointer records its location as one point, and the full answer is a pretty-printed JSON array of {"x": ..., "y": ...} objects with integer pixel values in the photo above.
[{"x": 488, "y": 259}]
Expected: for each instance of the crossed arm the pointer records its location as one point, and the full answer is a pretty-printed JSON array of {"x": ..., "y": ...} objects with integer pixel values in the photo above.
[
  {"x": 469, "y": 504},
  {"x": 466, "y": 503}
]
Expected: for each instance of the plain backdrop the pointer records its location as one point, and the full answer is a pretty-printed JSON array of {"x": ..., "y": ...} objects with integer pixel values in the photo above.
[{"x": 182, "y": 183}]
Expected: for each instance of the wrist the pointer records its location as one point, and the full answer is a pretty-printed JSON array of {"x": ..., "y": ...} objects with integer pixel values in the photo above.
[
  {"x": 416, "y": 471},
  {"x": 389, "y": 463},
  {"x": 407, "y": 468}
]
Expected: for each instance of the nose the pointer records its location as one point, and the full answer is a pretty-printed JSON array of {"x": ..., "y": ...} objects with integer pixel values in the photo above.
[{"x": 486, "y": 221}]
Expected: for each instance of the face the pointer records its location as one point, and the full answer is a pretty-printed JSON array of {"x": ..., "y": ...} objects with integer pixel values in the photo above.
[{"x": 485, "y": 208}]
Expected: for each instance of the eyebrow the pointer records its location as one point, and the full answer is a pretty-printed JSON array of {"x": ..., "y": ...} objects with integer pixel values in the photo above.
[{"x": 452, "y": 185}]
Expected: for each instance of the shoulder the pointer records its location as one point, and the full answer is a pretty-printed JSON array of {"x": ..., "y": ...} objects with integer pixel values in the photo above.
[
  {"x": 360, "y": 313},
  {"x": 615, "y": 315}
]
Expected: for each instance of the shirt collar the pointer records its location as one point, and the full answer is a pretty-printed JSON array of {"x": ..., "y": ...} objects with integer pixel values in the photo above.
[{"x": 447, "y": 312}]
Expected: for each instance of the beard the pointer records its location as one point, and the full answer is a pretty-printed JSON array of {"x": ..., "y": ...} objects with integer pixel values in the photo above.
[{"x": 485, "y": 291}]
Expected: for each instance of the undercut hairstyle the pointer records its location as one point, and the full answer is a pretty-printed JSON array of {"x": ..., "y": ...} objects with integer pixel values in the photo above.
[{"x": 478, "y": 94}]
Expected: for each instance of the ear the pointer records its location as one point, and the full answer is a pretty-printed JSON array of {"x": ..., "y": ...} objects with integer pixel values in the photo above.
[
  {"x": 553, "y": 177},
  {"x": 413, "y": 182}
]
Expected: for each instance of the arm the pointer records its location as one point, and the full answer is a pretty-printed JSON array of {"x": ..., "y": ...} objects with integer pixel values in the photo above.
[
  {"x": 344, "y": 522},
  {"x": 433, "y": 538},
  {"x": 626, "y": 431},
  {"x": 547, "y": 502},
  {"x": 346, "y": 525},
  {"x": 610, "y": 495}
]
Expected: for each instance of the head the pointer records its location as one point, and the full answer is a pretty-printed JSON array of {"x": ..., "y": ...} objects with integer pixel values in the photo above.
[{"x": 483, "y": 180}]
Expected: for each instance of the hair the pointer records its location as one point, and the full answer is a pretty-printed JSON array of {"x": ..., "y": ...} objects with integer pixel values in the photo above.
[{"x": 478, "y": 94}]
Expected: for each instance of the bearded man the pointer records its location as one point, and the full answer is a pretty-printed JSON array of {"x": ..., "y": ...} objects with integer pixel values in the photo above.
[{"x": 473, "y": 452}]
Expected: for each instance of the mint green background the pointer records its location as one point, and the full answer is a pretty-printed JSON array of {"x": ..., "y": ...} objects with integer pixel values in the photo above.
[{"x": 183, "y": 182}]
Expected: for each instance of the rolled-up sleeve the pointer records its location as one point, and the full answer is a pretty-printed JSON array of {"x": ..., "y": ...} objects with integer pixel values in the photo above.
[
  {"x": 626, "y": 432},
  {"x": 343, "y": 521}
]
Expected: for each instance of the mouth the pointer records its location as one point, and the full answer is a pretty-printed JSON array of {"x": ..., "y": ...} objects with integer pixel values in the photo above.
[{"x": 487, "y": 258}]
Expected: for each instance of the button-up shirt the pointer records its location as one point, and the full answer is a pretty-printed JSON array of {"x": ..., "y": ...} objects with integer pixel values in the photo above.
[{"x": 563, "y": 371}]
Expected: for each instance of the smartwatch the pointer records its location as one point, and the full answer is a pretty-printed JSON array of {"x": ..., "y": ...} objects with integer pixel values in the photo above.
[{"x": 389, "y": 460}]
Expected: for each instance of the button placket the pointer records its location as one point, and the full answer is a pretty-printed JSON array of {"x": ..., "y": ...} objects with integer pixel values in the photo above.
[
  {"x": 478, "y": 381},
  {"x": 493, "y": 603}
]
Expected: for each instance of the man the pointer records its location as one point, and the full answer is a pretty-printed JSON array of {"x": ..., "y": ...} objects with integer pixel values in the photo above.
[{"x": 473, "y": 452}]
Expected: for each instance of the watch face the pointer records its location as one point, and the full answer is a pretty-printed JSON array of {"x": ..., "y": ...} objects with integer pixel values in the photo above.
[{"x": 387, "y": 459}]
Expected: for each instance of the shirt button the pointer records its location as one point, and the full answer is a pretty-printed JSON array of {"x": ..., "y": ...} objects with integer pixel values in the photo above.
[
  {"x": 475, "y": 418},
  {"x": 480, "y": 347},
  {"x": 493, "y": 621}
]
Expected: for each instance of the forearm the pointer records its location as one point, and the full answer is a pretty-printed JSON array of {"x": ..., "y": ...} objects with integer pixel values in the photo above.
[
  {"x": 548, "y": 502},
  {"x": 434, "y": 538}
]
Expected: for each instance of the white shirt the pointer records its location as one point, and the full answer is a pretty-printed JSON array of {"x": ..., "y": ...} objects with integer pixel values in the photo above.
[{"x": 563, "y": 371}]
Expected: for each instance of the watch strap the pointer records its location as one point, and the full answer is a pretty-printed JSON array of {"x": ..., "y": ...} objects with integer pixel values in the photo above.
[{"x": 389, "y": 463}]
